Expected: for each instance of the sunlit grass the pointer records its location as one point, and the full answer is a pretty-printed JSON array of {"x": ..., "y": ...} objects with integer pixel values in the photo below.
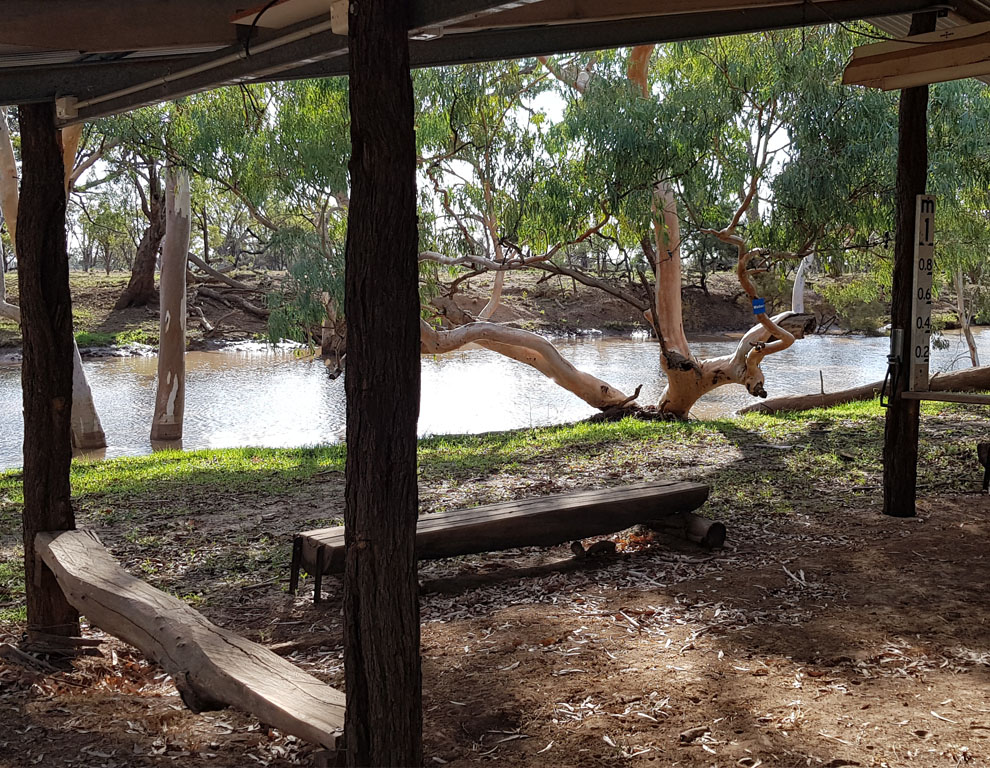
[{"x": 759, "y": 467}]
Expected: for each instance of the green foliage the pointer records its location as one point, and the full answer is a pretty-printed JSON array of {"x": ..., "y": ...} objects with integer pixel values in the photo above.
[
  {"x": 104, "y": 339},
  {"x": 858, "y": 301},
  {"x": 315, "y": 279}
]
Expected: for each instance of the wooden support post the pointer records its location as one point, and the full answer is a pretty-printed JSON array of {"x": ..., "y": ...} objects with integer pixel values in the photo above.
[
  {"x": 900, "y": 449},
  {"x": 46, "y": 369},
  {"x": 171, "y": 396},
  {"x": 381, "y": 592}
]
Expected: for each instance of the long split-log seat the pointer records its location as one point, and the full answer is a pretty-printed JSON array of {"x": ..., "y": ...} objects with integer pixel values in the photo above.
[
  {"x": 211, "y": 666},
  {"x": 544, "y": 521}
]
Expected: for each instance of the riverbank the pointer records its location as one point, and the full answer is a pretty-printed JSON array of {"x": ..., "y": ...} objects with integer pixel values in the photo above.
[
  {"x": 824, "y": 631},
  {"x": 98, "y": 325},
  {"x": 556, "y": 307}
]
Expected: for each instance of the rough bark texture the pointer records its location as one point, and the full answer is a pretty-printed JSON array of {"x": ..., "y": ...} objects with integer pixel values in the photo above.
[
  {"x": 140, "y": 288},
  {"x": 171, "y": 394},
  {"x": 381, "y": 608},
  {"x": 900, "y": 448},
  {"x": 46, "y": 369}
]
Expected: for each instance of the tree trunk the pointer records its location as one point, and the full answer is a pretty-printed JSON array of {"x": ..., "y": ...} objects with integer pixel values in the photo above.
[
  {"x": 381, "y": 605},
  {"x": 900, "y": 448},
  {"x": 8, "y": 207},
  {"x": 87, "y": 431},
  {"x": 140, "y": 288},
  {"x": 968, "y": 380},
  {"x": 797, "y": 290},
  {"x": 171, "y": 395},
  {"x": 526, "y": 347},
  {"x": 46, "y": 369},
  {"x": 967, "y": 329}
]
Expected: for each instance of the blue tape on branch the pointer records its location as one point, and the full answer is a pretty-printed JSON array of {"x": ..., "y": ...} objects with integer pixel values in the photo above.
[{"x": 759, "y": 306}]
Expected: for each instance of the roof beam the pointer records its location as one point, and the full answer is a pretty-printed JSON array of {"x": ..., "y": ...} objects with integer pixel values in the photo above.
[
  {"x": 112, "y": 87},
  {"x": 308, "y": 43},
  {"x": 112, "y": 24},
  {"x": 949, "y": 54},
  {"x": 494, "y": 44},
  {"x": 570, "y": 11}
]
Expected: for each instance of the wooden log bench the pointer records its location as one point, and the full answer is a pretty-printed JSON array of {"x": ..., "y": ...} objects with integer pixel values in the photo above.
[
  {"x": 544, "y": 521},
  {"x": 211, "y": 666}
]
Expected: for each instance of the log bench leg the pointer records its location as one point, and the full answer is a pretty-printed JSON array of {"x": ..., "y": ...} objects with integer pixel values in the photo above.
[
  {"x": 297, "y": 545},
  {"x": 321, "y": 566},
  {"x": 700, "y": 530}
]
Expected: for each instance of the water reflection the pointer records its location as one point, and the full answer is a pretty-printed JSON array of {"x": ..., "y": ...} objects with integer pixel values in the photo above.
[{"x": 274, "y": 398}]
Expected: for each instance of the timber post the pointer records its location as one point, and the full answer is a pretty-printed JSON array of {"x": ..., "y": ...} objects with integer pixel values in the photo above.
[
  {"x": 46, "y": 369},
  {"x": 900, "y": 449},
  {"x": 381, "y": 593}
]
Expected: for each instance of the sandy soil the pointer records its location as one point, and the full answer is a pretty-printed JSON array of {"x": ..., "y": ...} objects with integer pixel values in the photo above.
[{"x": 829, "y": 636}]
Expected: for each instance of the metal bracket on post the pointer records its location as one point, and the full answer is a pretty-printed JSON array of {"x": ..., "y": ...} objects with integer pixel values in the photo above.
[
  {"x": 894, "y": 358},
  {"x": 338, "y": 16},
  {"x": 66, "y": 108}
]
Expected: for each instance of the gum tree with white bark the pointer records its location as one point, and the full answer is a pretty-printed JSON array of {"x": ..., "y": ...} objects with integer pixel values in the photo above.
[
  {"x": 87, "y": 431},
  {"x": 170, "y": 397}
]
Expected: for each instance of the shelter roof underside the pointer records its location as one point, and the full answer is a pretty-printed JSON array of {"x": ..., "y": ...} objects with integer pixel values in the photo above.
[{"x": 108, "y": 56}]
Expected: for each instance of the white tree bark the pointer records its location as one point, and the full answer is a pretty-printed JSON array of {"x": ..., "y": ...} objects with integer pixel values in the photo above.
[
  {"x": 8, "y": 204},
  {"x": 797, "y": 290},
  {"x": 974, "y": 355},
  {"x": 170, "y": 397},
  {"x": 87, "y": 432},
  {"x": 526, "y": 347}
]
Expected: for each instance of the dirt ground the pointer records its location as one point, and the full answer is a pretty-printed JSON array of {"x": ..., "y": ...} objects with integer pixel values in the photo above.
[
  {"x": 560, "y": 306},
  {"x": 826, "y": 636}
]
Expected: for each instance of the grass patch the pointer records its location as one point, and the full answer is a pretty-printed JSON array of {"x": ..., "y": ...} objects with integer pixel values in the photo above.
[
  {"x": 102, "y": 339},
  {"x": 202, "y": 522}
]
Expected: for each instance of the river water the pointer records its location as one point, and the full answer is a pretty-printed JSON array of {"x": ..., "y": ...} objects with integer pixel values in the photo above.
[{"x": 258, "y": 396}]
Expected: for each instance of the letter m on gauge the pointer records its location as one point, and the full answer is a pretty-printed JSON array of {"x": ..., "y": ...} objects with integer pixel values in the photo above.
[{"x": 921, "y": 308}]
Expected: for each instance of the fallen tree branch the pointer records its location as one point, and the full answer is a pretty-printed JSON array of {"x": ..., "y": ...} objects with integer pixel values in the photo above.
[
  {"x": 968, "y": 380},
  {"x": 194, "y": 259},
  {"x": 240, "y": 301},
  {"x": 526, "y": 347}
]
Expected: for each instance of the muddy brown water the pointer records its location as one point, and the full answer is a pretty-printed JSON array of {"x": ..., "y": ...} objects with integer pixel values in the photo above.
[{"x": 258, "y": 396}]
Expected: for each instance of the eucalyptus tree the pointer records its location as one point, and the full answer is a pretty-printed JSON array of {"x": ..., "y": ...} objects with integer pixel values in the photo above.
[
  {"x": 103, "y": 227},
  {"x": 86, "y": 429},
  {"x": 490, "y": 179},
  {"x": 960, "y": 180},
  {"x": 686, "y": 137}
]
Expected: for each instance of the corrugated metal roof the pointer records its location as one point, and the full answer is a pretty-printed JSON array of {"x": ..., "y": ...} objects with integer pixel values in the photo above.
[{"x": 899, "y": 26}]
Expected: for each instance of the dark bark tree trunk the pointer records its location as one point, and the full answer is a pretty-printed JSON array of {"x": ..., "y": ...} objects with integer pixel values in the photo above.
[
  {"x": 140, "y": 288},
  {"x": 900, "y": 447},
  {"x": 381, "y": 604},
  {"x": 46, "y": 369}
]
